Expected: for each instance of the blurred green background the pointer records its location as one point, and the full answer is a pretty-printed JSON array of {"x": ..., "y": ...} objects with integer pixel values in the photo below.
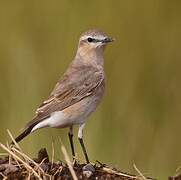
[{"x": 139, "y": 119}]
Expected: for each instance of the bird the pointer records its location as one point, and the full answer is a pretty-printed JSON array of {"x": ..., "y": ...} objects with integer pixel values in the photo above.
[{"x": 77, "y": 94}]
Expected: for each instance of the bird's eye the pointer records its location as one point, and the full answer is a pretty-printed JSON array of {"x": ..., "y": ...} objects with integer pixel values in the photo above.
[{"x": 89, "y": 39}]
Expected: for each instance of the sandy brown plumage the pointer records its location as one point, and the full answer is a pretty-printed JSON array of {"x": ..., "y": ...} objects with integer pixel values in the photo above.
[
  {"x": 78, "y": 92},
  {"x": 77, "y": 84}
]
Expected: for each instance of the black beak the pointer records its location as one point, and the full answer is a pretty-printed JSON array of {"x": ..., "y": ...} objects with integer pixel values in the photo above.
[{"x": 108, "y": 40}]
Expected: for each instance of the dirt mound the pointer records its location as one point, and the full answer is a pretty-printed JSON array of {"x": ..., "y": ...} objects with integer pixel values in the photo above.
[{"x": 17, "y": 165}]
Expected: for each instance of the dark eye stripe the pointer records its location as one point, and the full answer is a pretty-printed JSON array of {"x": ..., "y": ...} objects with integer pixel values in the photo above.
[{"x": 89, "y": 39}]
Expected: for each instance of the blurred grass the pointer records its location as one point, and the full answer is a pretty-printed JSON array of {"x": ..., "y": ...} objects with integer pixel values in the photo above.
[{"x": 139, "y": 119}]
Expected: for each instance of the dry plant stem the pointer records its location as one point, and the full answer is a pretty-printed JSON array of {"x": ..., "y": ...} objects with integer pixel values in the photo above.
[
  {"x": 26, "y": 157},
  {"x": 53, "y": 154},
  {"x": 4, "y": 177},
  {"x": 9, "y": 159},
  {"x": 142, "y": 177},
  {"x": 4, "y": 154},
  {"x": 29, "y": 175},
  {"x": 110, "y": 171},
  {"x": 17, "y": 162},
  {"x": 44, "y": 174},
  {"x": 177, "y": 171},
  {"x": 67, "y": 159},
  {"x": 19, "y": 159},
  {"x": 15, "y": 143},
  {"x": 58, "y": 170}
]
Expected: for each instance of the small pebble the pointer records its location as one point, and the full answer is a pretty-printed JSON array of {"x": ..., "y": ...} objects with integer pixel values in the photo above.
[
  {"x": 89, "y": 167},
  {"x": 88, "y": 170}
]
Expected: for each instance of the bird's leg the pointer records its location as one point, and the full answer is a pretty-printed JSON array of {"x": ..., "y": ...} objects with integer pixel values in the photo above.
[
  {"x": 80, "y": 137},
  {"x": 71, "y": 141}
]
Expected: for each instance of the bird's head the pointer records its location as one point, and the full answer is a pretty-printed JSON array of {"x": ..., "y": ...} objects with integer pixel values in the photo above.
[
  {"x": 91, "y": 46},
  {"x": 94, "y": 39}
]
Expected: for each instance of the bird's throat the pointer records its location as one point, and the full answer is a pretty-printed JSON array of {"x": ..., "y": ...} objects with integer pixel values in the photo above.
[{"x": 93, "y": 56}]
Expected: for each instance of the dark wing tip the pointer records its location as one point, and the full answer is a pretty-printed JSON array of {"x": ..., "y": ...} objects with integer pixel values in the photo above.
[{"x": 23, "y": 135}]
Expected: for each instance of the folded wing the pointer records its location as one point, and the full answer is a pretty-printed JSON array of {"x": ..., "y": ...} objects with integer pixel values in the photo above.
[{"x": 74, "y": 86}]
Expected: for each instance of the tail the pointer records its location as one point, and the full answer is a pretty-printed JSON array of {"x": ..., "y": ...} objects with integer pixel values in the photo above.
[
  {"x": 25, "y": 133},
  {"x": 28, "y": 128}
]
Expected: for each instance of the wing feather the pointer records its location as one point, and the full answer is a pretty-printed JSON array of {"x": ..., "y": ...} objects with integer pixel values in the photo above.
[{"x": 74, "y": 86}]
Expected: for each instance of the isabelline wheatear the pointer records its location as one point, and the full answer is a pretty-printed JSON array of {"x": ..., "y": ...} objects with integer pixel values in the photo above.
[{"x": 78, "y": 92}]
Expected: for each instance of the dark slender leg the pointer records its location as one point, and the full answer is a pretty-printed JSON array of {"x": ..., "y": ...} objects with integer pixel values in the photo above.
[
  {"x": 80, "y": 137},
  {"x": 71, "y": 142},
  {"x": 84, "y": 150}
]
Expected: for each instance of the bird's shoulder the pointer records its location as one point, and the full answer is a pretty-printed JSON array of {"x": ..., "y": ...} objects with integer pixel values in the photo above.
[{"x": 76, "y": 76}]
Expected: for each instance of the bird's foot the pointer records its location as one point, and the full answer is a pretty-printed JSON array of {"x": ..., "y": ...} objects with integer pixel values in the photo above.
[{"x": 75, "y": 162}]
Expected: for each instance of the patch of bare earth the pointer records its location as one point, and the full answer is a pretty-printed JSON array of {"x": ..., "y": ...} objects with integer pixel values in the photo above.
[{"x": 15, "y": 165}]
